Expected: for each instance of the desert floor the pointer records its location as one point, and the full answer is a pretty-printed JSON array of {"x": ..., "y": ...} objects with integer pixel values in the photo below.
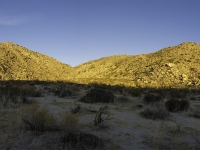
[{"x": 128, "y": 130}]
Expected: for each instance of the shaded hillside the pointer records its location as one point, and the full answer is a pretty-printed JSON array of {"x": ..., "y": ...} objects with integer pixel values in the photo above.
[
  {"x": 172, "y": 66},
  {"x": 19, "y": 63}
]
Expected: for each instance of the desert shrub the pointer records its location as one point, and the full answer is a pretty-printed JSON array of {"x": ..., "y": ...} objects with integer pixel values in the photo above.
[
  {"x": 75, "y": 109},
  {"x": 172, "y": 105},
  {"x": 151, "y": 98},
  {"x": 74, "y": 88},
  {"x": 192, "y": 98},
  {"x": 69, "y": 122},
  {"x": 27, "y": 90},
  {"x": 98, "y": 96},
  {"x": 81, "y": 141},
  {"x": 122, "y": 99},
  {"x": 135, "y": 92},
  {"x": 26, "y": 100},
  {"x": 35, "y": 119},
  {"x": 195, "y": 113},
  {"x": 184, "y": 105},
  {"x": 155, "y": 113},
  {"x": 62, "y": 92},
  {"x": 175, "y": 105},
  {"x": 100, "y": 85},
  {"x": 176, "y": 93},
  {"x": 10, "y": 96},
  {"x": 99, "y": 120},
  {"x": 37, "y": 93}
]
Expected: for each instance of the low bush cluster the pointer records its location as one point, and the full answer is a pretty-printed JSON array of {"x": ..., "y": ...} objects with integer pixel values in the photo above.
[
  {"x": 151, "y": 98},
  {"x": 155, "y": 113},
  {"x": 175, "y": 105},
  {"x": 195, "y": 113},
  {"x": 98, "y": 96}
]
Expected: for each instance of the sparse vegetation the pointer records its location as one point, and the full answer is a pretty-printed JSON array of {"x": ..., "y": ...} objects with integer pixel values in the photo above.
[
  {"x": 35, "y": 119},
  {"x": 175, "y": 105},
  {"x": 161, "y": 67},
  {"x": 164, "y": 79},
  {"x": 151, "y": 98},
  {"x": 195, "y": 113},
  {"x": 99, "y": 120},
  {"x": 155, "y": 113},
  {"x": 98, "y": 96},
  {"x": 81, "y": 141}
]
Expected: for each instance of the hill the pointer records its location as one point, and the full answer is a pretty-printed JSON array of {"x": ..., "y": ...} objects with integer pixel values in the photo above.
[
  {"x": 174, "y": 66},
  {"x": 19, "y": 63}
]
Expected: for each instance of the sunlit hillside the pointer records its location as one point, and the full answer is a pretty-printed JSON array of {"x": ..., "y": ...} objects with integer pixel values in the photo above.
[
  {"x": 172, "y": 66},
  {"x": 19, "y": 63}
]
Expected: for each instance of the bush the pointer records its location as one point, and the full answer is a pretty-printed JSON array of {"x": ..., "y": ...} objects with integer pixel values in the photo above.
[
  {"x": 175, "y": 105},
  {"x": 135, "y": 92},
  {"x": 27, "y": 90},
  {"x": 184, "y": 105},
  {"x": 98, "y": 96},
  {"x": 62, "y": 92},
  {"x": 35, "y": 119},
  {"x": 75, "y": 109},
  {"x": 196, "y": 113},
  {"x": 176, "y": 93},
  {"x": 172, "y": 105},
  {"x": 69, "y": 122},
  {"x": 154, "y": 113},
  {"x": 122, "y": 99},
  {"x": 82, "y": 141},
  {"x": 10, "y": 96},
  {"x": 151, "y": 98}
]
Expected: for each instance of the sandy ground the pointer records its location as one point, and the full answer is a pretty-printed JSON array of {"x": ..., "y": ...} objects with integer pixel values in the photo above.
[{"x": 128, "y": 130}]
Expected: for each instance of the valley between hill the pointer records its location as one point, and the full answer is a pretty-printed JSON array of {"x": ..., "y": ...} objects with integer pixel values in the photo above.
[{"x": 174, "y": 66}]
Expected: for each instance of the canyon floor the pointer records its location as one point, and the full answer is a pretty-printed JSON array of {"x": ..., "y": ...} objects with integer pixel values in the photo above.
[{"x": 127, "y": 130}]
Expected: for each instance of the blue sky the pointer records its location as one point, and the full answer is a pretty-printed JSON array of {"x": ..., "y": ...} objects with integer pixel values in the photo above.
[{"x": 76, "y": 31}]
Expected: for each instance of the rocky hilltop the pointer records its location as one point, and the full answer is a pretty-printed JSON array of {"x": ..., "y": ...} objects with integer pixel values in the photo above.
[
  {"x": 19, "y": 63},
  {"x": 174, "y": 66}
]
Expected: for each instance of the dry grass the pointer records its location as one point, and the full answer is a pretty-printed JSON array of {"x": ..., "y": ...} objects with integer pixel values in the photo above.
[
  {"x": 155, "y": 113},
  {"x": 35, "y": 119},
  {"x": 69, "y": 122}
]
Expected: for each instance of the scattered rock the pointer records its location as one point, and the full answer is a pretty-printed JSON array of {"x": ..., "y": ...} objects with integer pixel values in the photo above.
[{"x": 169, "y": 64}]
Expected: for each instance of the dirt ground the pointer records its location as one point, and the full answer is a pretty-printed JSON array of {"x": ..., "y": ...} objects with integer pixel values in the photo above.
[{"x": 128, "y": 130}]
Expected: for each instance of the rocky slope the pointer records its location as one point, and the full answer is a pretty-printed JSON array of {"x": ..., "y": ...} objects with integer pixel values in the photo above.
[
  {"x": 172, "y": 66},
  {"x": 19, "y": 63}
]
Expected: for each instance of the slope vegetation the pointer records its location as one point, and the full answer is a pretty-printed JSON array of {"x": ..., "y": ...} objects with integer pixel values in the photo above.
[
  {"x": 19, "y": 63},
  {"x": 169, "y": 67},
  {"x": 174, "y": 66}
]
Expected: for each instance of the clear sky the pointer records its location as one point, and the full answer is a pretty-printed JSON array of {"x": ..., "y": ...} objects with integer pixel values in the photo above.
[{"x": 76, "y": 31}]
